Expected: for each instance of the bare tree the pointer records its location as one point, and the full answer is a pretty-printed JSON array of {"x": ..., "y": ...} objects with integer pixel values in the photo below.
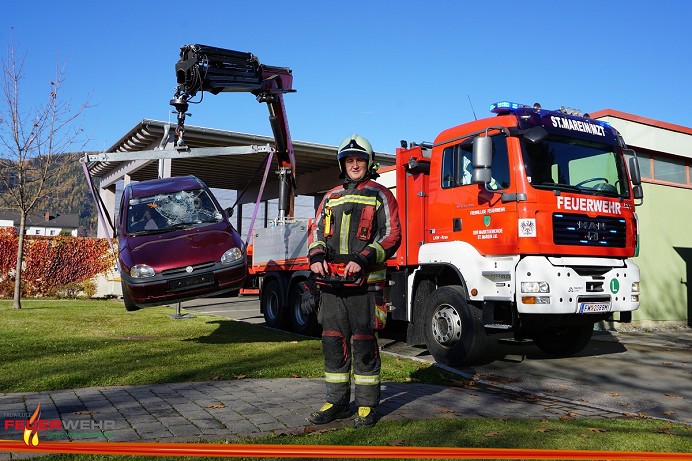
[{"x": 36, "y": 147}]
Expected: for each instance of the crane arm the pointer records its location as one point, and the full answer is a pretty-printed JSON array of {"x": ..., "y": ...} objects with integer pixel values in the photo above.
[{"x": 215, "y": 70}]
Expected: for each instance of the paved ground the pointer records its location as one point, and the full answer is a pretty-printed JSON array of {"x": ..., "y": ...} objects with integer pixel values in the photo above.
[{"x": 227, "y": 410}]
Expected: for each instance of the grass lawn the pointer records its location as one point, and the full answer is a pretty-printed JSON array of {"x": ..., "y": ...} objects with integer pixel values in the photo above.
[
  {"x": 58, "y": 344},
  {"x": 63, "y": 344}
]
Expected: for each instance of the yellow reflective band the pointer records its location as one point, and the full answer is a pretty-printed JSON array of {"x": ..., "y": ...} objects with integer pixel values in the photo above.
[
  {"x": 366, "y": 380},
  {"x": 381, "y": 315},
  {"x": 379, "y": 252},
  {"x": 343, "y": 237},
  {"x": 327, "y": 221},
  {"x": 360, "y": 199},
  {"x": 317, "y": 243},
  {"x": 336, "y": 377},
  {"x": 377, "y": 276}
]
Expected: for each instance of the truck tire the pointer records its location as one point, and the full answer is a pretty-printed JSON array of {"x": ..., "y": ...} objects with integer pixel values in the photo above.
[
  {"x": 130, "y": 306},
  {"x": 563, "y": 341},
  {"x": 273, "y": 304},
  {"x": 454, "y": 331},
  {"x": 300, "y": 323}
]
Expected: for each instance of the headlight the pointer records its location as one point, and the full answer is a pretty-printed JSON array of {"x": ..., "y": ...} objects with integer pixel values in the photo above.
[
  {"x": 231, "y": 255},
  {"x": 535, "y": 287},
  {"x": 140, "y": 271},
  {"x": 635, "y": 287}
]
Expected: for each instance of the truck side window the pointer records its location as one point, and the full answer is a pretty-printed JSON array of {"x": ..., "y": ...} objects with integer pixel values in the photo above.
[
  {"x": 501, "y": 173},
  {"x": 457, "y": 165}
]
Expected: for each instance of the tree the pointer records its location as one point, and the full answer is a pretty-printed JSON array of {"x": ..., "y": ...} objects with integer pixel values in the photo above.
[{"x": 36, "y": 147}]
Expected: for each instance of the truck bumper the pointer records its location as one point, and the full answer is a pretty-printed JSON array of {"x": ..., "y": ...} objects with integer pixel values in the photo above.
[{"x": 583, "y": 286}]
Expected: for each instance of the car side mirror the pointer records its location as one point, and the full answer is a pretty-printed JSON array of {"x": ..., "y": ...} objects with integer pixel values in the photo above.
[{"x": 229, "y": 212}]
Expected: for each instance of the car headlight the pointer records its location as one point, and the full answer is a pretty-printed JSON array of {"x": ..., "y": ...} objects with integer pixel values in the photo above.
[
  {"x": 535, "y": 287},
  {"x": 141, "y": 271},
  {"x": 231, "y": 255}
]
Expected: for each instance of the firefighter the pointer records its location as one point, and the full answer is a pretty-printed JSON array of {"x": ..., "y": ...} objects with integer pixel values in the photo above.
[{"x": 357, "y": 227}]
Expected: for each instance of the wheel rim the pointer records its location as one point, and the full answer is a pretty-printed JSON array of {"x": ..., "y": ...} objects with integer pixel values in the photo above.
[
  {"x": 300, "y": 318},
  {"x": 272, "y": 306},
  {"x": 446, "y": 325}
]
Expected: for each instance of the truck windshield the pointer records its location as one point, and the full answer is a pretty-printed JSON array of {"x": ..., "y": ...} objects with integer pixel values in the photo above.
[
  {"x": 169, "y": 211},
  {"x": 575, "y": 165}
]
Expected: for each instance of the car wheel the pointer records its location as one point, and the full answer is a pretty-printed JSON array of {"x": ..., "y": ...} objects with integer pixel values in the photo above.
[
  {"x": 130, "y": 306},
  {"x": 453, "y": 329},
  {"x": 563, "y": 341},
  {"x": 273, "y": 304}
]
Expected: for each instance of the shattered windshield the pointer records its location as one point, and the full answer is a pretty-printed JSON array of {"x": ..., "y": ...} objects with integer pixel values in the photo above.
[
  {"x": 164, "y": 212},
  {"x": 574, "y": 165}
]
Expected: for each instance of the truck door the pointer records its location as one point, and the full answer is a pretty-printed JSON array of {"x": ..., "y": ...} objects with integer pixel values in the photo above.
[{"x": 472, "y": 212}]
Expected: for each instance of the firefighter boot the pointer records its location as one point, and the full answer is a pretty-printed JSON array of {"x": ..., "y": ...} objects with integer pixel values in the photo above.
[
  {"x": 366, "y": 417},
  {"x": 328, "y": 413}
]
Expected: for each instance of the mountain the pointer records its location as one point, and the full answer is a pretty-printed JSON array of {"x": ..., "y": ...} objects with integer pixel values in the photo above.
[{"x": 70, "y": 196}]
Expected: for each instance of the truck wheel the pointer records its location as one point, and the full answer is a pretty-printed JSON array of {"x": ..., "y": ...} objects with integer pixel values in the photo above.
[
  {"x": 273, "y": 304},
  {"x": 130, "y": 306},
  {"x": 454, "y": 331},
  {"x": 563, "y": 341},
  {"x": 300, "y": 323}
]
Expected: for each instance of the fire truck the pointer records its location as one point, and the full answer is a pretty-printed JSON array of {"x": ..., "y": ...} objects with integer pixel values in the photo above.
[{"x": 522, "y": 223}]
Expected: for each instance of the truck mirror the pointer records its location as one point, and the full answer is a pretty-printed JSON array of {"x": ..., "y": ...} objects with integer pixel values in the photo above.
[
  {"x": 635, "y": 174},
  {"x": 229, "y": 212},
  {"x": 535, "y": 135},
  {"x": 638, "y": 192},
  {"x": 482, "y": 159}
]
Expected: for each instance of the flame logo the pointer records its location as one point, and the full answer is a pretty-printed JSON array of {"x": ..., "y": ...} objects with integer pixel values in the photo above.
[{"x": 31, "y": 428}]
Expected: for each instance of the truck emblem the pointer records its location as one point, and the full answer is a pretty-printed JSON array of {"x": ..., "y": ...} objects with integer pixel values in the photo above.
[{"x": 486, "y": 220}]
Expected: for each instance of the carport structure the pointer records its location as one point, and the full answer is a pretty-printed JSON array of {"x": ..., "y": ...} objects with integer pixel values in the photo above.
[{"x": 222, "y": 159}]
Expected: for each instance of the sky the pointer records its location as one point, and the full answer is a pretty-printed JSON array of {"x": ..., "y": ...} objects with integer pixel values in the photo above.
[{"x": 385, "y": 70}]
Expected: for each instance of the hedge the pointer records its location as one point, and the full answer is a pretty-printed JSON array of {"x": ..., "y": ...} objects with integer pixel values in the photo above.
[{"x": 52, "y": 264}]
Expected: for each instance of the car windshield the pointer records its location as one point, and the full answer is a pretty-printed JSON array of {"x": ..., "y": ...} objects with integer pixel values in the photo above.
[
  {"x": 574, "y": 165},
  {"x": 169, "y": 211}
]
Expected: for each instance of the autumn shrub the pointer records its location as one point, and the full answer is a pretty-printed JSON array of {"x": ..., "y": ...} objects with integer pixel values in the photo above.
[{"x": 53, "y": 266}]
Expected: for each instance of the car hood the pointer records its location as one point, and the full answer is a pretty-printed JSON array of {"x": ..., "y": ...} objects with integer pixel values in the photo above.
[{"x": 180, "y": 248}]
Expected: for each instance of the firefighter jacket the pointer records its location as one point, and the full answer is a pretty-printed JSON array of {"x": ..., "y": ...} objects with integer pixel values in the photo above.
[{"x": 357, "y": 221}]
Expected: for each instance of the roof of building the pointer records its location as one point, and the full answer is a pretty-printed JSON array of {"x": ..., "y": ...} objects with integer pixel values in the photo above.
[
  {"x": 646, "y": 133},
  {"x": 66, "y": 221},
  {"x": 315, "y": 169}
]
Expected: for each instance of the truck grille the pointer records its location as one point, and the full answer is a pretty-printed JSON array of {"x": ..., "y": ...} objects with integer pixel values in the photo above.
[{"x": 577, "y": 229}]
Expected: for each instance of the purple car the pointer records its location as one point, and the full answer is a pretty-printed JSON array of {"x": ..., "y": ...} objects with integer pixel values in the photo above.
[{"x": 176, "y": 243}]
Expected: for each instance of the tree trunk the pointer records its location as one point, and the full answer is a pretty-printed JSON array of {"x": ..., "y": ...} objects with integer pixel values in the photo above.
[{"x": 17, "y": 300}]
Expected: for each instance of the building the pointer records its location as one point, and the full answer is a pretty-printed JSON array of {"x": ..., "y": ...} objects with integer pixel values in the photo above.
[{"x": 42, "y": 224}]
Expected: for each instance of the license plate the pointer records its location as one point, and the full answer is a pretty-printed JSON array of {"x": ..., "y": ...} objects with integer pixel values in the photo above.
[
  {"x": 591, "y": 308},
  {"x": 189, "y": 282}
]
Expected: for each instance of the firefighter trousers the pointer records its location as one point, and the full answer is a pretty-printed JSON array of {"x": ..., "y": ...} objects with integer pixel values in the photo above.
[{"x": 348, "y": 339}]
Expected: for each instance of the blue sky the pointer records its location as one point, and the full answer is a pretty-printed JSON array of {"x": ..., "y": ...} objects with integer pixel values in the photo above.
[{"x": 385, "y": 70}]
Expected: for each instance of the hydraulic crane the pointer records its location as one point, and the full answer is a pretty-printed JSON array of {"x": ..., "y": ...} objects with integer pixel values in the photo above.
[{"x": 215, "y": 70}]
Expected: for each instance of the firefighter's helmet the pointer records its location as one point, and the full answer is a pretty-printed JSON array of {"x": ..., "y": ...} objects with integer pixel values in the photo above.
[{"x": 358, "y": 146}]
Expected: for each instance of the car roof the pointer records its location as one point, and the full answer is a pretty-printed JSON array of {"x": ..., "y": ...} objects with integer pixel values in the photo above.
[{"x": 164, "y": 185}]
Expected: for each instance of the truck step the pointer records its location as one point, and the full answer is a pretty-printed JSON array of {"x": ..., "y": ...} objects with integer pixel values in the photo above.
[{"x": 497, "y": 326}]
